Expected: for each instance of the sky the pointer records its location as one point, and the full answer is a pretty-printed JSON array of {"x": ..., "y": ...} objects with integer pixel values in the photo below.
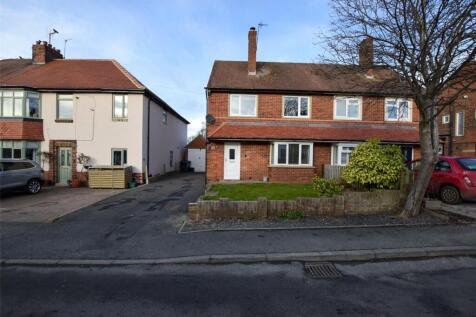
[{"x": 170, "y": 45}]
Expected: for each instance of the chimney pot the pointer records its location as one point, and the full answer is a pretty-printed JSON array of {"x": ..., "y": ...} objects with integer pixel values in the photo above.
[
  {"x": 252, "y": 47},
  {"x": 366, "y": 53}
]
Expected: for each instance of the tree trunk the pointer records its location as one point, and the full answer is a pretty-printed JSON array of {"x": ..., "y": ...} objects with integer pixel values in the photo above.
[{"x": 429, "y": 142}]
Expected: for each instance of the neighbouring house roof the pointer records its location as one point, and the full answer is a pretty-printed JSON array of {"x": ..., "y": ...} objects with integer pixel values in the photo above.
[
  {"x": 305, "y": 77},
  {"x": 197, "y": 143},
  {"x": 317, "y": 131},
  {"x": 74, "y": 75}
]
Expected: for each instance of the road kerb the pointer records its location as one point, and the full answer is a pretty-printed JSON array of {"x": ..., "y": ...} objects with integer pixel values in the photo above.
[{"x": 320, "y": 256}]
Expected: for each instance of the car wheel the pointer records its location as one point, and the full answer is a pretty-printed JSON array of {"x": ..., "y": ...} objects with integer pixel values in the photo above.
[
  {"x": 33, "y": 186},
  {"x": 450, "y": 195}
]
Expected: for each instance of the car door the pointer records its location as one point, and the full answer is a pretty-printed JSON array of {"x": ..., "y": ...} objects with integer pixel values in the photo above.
[
  {"x": 441, "y": 173},
  {"x": 13, "y": 174}
]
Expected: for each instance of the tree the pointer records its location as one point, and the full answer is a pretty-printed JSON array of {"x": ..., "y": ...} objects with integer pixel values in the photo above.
[{"x": 429, "y": 44}]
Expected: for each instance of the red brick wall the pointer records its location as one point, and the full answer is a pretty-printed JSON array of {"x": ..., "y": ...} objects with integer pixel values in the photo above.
[
  {"x": 20, "y": 129},
  {"x": 255, "y": 164}
]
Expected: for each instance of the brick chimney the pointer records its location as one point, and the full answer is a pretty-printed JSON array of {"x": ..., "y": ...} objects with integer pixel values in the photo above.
[
  {"x": 366, "y": 53},
  {"x": 252, "y": 46},
  {"x": 43, "y": 53}
]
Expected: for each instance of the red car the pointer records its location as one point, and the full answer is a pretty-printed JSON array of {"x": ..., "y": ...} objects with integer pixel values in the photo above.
[{"x": 454, "y": 179}]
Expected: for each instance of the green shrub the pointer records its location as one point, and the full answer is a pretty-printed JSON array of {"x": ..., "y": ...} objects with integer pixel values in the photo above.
[
  {"x": 374, "y": 165},
  {"x": 292, "y": 215},
  {"x": 326, "y": 187}
]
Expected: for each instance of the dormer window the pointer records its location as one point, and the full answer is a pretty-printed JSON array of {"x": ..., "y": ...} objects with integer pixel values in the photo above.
[{"x": 296, "y": 107}]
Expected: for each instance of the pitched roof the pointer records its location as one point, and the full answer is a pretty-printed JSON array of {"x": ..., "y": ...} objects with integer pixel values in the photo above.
[
  {"x": 73, "y": 74},
  {"x": 305, "y": 77},
  {"x": 317, "y": 131},
  {"x": 197, "y": 143}
]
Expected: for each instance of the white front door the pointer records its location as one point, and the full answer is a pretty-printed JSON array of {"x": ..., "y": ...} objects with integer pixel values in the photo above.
[{"x": 232, "y": 161}]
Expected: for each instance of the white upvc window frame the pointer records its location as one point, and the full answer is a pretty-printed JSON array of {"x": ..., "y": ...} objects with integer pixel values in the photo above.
[
  {"x": 338, "y": 149},
  {"x": 274, "y": 161},
  {"x": 399, "y": 113},
  {"x": 457, "y": 122},
  {"x": 124, "y": 156},
  {"x": 445, "y": 119},
  {"x": 240, "y": 96},
  {"x": 347, "y": 98},
  {"x": 124, "y": 106},
  {"x": 299, "y": 107}
]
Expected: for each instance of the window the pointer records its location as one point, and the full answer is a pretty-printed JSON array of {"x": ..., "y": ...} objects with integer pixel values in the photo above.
[
  {"x": 20, "y": 104},
  {"x": 243, "y": 105},
  {"x": 397, "y": 109},
  {"x": 445, "y": 119},
  {"x": 299, "y": 154},
  {"x": 33, "y": 104},
  {"x": 164, "y": 117},
  {"x": 459, "y": 124},
  {"x": 342, "y": 153},
  {"x": 20, "y": 150},
  {"x": 120, "y": 106},
  {"x": 468, "y": 164},
  {"x": 442, "y": 166},
  {"x": 119, "y": 157},
  {"x": 171, "y": 159},
  {"x": 65, "y": 107},
  {"x": 296, "y": 107},
  {"x": 348, "y": 108}
]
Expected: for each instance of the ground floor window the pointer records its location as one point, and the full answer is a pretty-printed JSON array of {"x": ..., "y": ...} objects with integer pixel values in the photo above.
[
  {"x": 342, "y": 152},
  {"x": 20, "y": 150},
  {"x": 291, "y": 153},
  {"x": 119, "y": 157}
]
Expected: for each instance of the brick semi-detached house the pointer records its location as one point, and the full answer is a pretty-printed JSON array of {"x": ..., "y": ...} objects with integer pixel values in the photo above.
[
  {"x": 52, "y": 109},
  {"x": 284, "y": 122}
]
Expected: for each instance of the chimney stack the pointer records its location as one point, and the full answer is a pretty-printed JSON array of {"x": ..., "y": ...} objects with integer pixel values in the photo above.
[
  {"x": 252, "y": 46},
  {"x": 366, "y": 53},
  {"x": 42, "y": 53}
]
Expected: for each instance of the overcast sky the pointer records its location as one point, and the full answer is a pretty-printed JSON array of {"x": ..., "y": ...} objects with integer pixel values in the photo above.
[{"x": 170, "y": 45}]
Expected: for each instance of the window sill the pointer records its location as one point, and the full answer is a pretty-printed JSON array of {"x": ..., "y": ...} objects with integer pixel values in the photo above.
[
  {"x": 296, "y": 117},
  {"x": 64, "y": 120},
  {"x": 292, "y": 166},
  {"x": 120, "y": 119},
  {"x": 347, "y": 119}
]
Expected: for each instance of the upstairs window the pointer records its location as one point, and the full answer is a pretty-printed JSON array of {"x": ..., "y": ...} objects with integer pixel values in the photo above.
[
  {"x": 120, "y": 107},
  {"x": 20, "y": 104},
  {"x": 397, "y": 109},
  {"x": 445, "y": 119},
  {"x": 292, "y": 154},
  {"x": 65, "y": 107},
  {"x": 119, "y": 157},
  {"x": 459, "y": 124},
  {"x": 243, "y": 105},
  {"x": 348, "y": 108},
  {"x": 296, "y": 107}
]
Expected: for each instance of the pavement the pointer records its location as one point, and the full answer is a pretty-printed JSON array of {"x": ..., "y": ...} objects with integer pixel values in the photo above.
[
  {"x": 437, "y": 287},
  {"x": 143, "y": 224},
  {"x": 50, "y": 204},
  {"x": 465, "y": 209}
]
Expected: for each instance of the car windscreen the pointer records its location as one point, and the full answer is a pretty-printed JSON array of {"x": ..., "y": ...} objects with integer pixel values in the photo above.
[{"x": 468, "y": 164}]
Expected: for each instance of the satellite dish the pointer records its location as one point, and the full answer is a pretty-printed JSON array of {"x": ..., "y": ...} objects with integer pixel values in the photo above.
[{"x": 210, "y": 119}]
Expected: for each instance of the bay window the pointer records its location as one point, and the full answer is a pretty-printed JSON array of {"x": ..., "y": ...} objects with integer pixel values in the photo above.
[
  {"x": 296, "y": 107},
  {"x": 397, "y": 109},
  {"x": 348, "y": 108},
  {"x": 243, "y": 105},
  {"x": 20, "y": 150},
  {"x": 342, "y": 152},
  {"x": 19, "y": 103},
  {"x": 291, "y": 154}
]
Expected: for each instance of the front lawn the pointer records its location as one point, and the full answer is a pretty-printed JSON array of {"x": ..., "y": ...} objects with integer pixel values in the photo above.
[{"x": 253, "y": 191}]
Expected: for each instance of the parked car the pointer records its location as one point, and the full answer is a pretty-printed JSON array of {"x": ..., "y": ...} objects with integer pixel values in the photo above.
[
  {"x": 453, "y": 179},
  {"x": 24, "y": 174}
]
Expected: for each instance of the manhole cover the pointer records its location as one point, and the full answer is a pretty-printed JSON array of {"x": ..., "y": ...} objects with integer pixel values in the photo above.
[{"x": 322, "y": 270}]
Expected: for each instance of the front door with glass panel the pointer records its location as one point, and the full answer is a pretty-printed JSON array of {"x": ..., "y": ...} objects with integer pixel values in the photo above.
[
  {"x": 64, "y": 165},
  {"x": 232, "y": 162}
]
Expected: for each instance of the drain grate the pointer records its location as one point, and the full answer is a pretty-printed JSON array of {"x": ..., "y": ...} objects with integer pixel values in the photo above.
[{"x": 322, "y": 270}]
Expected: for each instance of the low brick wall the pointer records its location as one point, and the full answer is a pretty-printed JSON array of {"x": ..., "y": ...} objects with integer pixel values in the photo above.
[{"x": 350, "y": 203}]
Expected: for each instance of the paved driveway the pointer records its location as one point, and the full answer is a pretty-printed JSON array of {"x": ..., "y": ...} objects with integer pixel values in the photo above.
[{"x": 50, "y": 204}]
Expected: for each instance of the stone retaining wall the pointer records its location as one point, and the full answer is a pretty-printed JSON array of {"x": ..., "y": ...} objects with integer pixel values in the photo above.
[{"x": 350, "y": 203}]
